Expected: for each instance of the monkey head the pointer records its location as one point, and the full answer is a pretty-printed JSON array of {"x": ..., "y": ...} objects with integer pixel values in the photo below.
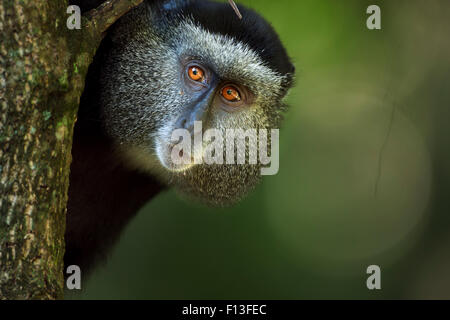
[{"x": 176, "y": 64}]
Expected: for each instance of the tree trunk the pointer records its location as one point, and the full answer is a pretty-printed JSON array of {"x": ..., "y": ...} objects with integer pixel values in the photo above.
[{"x": 42, "y": 69}]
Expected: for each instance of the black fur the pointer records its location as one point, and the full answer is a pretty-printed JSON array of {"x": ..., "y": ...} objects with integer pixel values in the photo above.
[
  {"x": 104, "y": 195},
  {"x": 251, "y": 29}
]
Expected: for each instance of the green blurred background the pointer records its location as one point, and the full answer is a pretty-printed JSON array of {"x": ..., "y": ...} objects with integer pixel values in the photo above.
[{"x": 364, "y": 175}]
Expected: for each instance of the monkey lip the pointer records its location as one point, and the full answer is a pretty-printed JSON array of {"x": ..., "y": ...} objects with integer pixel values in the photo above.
[{"x": 165, "y": 152}]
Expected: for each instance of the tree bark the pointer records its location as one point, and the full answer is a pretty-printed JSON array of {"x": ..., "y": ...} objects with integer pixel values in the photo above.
[{"x": 42, "y": 69}]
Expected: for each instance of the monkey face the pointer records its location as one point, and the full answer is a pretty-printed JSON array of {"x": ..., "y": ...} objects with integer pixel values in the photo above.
[
  {"x": 210, "y": 104},
  {"x": 167, "y": 89}
]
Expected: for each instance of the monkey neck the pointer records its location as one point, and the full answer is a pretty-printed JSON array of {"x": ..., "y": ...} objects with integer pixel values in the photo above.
[{"x": 103, "y": 196}]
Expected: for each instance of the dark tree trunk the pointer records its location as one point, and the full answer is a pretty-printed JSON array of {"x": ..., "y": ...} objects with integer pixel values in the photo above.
[{"x": 42, "y": 69}]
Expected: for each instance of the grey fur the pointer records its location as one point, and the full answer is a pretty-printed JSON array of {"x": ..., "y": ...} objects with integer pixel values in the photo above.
[{"x": 142, "y": 97}]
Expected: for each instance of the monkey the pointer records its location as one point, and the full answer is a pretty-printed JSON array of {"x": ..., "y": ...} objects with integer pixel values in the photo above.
[{"x": 163, "y": 66}]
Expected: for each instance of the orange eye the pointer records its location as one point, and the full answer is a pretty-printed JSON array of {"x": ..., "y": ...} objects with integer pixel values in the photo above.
[
  {"x": 196, "y": 74},
  {"x": 231, "y": 94}
]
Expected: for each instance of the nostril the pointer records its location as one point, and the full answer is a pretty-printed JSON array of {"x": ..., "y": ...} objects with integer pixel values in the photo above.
[
  {"x": 188, "y": 125},
  {"x": 181, "y": 123},
  {"x": 185, "y": 123},
  {"x": 190, "y": 128}
]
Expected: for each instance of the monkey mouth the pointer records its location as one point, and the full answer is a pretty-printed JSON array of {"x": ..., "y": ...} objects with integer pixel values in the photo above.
[{"x": 172, "y": 158}]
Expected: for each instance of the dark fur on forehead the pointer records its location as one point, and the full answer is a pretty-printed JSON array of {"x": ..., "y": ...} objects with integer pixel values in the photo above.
[{"x": 220, "y": 18}]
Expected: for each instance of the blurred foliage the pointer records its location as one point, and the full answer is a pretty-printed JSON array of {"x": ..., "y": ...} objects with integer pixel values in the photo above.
[{"x": 364, "y": 175}]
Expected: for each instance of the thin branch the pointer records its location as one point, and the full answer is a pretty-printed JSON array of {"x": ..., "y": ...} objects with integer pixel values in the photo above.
[
  {"x": 383, "y": 148},
  {"x": 101, "y": 18},
  {"x": 235, "y": 8}
]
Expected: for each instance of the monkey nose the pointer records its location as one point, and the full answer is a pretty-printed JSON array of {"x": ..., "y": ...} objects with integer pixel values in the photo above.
[
  {"x": 187, "y": 119},
  {"x": 184, "y": 122}
]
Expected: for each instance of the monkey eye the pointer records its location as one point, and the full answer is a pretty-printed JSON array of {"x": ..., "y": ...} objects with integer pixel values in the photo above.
[
  {"x": 231, "y": 94},
  {"x": 196, "y": 73}
]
